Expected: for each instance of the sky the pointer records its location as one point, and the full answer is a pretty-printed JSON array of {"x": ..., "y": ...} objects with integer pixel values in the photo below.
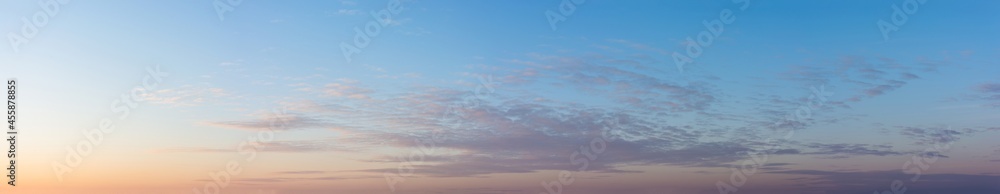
[{"x": 504, "y": 97}]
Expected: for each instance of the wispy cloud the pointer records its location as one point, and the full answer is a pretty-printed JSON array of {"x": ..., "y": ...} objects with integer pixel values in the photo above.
[
  {"x": 988, "y": 92},
  {"x": 187, "y": 95},
  {"x": 868, "y": 181},
  {"x": 349, "y": 12}
]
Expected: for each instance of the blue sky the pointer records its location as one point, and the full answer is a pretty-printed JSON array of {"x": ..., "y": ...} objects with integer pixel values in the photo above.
[{"x": 512, "y": 97}]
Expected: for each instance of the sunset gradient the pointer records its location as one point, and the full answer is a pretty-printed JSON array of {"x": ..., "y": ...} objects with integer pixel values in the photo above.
[{"x": 504, "y": 97}]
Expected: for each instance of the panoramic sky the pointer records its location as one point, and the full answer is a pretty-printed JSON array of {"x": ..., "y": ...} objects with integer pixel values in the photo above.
[{"x": 504, "y": 97}]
